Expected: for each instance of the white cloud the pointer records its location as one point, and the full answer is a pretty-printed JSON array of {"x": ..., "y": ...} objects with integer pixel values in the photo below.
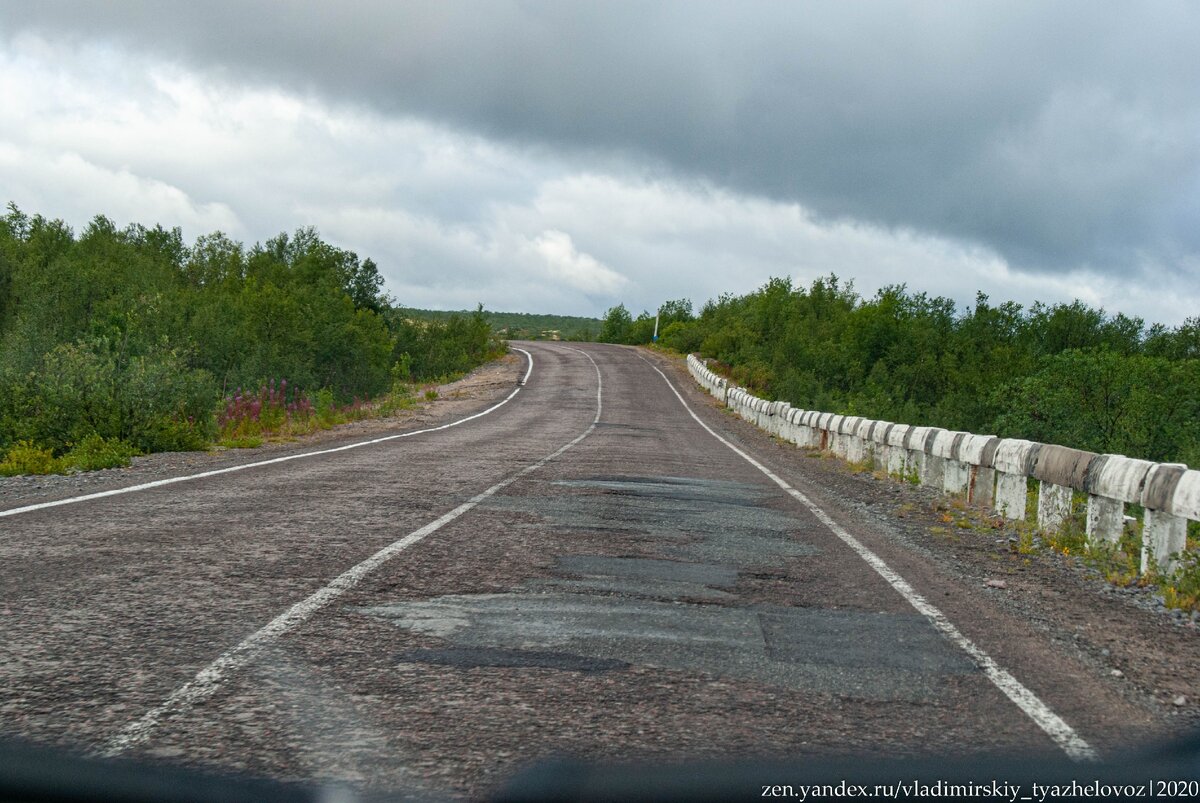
[
  {"x": 66, "y": 185},
  {"x": 452, "y": 219},
  {"x": 564, "y": 263}
]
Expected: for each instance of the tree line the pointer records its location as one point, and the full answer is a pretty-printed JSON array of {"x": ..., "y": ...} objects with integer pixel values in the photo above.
[
  {"x": 131, "y": 334},
  {"x": 1063, "y": 373},
  {"x": 524, "y": 325}
]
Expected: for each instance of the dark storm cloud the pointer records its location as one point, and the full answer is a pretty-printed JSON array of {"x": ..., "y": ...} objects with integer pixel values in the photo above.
[{"x": 1062, "y": 135}]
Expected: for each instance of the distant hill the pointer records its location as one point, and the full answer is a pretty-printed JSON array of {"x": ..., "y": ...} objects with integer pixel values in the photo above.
[{"x": 522, "y": 325}]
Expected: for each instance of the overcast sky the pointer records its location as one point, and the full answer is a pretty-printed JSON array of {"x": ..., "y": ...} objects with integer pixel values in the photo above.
[{"x": 565, "y": 156}]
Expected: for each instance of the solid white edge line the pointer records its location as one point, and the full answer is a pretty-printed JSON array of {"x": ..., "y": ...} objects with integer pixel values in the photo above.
[
  {"x": 145, "y": 486},
  {"x": 1054, "y": 726},
  {"x": 209, "y": 679}
]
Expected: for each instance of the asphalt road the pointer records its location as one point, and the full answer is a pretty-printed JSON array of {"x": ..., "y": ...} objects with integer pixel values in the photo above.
[{"x": 585, "y": 570}]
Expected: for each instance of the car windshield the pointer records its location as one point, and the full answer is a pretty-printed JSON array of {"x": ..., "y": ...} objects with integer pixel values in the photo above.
[{"x": 434, "y": 397}]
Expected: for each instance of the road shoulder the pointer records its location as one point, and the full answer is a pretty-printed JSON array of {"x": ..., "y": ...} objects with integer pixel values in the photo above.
[{"x": 476, "y": 391}]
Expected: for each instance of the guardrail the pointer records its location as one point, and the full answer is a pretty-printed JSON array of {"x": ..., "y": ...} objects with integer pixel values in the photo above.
[{"x": 994, "y": 472}]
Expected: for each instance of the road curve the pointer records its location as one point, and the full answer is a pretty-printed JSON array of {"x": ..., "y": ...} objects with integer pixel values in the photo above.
[{"x": 616, "y": 582}]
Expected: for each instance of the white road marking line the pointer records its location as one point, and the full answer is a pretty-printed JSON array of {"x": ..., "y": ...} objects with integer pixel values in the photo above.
[
  {"x": 145, "y": 486},
  {"x": 1055, "y": 727},
  {"x": 209, "y": 679}
]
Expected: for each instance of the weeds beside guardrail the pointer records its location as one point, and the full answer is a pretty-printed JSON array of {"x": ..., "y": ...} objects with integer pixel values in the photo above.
[{"x": 1136, "y": 521}]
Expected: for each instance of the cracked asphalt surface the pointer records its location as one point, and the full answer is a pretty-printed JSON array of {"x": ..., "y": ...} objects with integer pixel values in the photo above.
[{"x": 647, "y": 594}]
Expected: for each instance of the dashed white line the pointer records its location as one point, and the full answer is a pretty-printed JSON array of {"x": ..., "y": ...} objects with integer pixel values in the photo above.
[
  {"x": 209, "y": 679},
  {"x": 145, "y": 486},
  {"x": 1055, "y": 727}
]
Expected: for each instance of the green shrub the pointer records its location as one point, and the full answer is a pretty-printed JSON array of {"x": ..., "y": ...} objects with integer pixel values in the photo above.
[
  {"x": 151, "y": 401},
  {"x": 24, "y": 457},
  {"x": 95, "y": 452},
  {"x": 426, "y": 349},
  {"x": 1066, "y": 373},
  {"x": 1182, "y": 588},
  {"x": 131, "y": 336},
  {"x": 682, "y": 336},
  {"x": 326, "y": 407},
  {"x": 399, "y": 398}
]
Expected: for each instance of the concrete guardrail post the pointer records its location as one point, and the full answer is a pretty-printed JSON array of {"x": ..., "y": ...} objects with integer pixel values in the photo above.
[
  {"x": 787, "y": 427},
  {"x": 914, "y": 448},
  {"x": 897, "y": 455},
  {"x": 1186, "y": 500},
  {"x": 847, "y": 431},
  {"x": 802, "y": 429},
  {"x": 1060, "y": 470},
  {"x": 1113, "y": 481},
  {"x": 1054, "y": 506},
  {"x": 1163, "y": 533},
  {"x": 879, "y": 445},
  {"x": 1013, "y": 463},
  {"x": 944, "y": 462},
  {"x": 976, "y": 454},
  {"x": 862, "y": 440},
  {"x": 815, "y": 423},
  {"x": 938, "y": 444},
  {"x": 806, "y": 430},
  {"x": 843, "y": 436},
  {"x": 846, "y": 428},
  {"x": 779, "y": 415},
  {"x": 1105, "y": 519},
  {"x": 1185, "y": 504},
  {"x": 931, "y": 466},
  {"x": 823, "y": 431},
  {"x": 837, "y": 438}
]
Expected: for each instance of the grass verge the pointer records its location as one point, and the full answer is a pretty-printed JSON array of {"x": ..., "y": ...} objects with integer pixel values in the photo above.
[{"x": 90, "y": 454}]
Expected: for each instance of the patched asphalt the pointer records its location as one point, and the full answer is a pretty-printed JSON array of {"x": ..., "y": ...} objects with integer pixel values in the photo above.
[
  {"x": 677, "y": 612},
  {"x": 868, "y": 656}
]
